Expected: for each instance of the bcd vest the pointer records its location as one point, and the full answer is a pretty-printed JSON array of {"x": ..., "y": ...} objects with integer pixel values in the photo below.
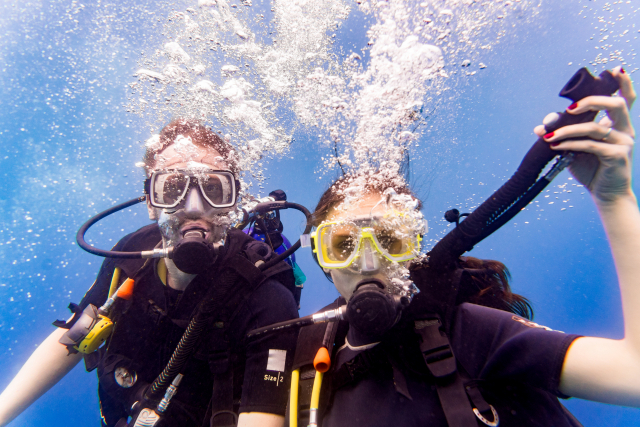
[
  {"x": 430, "y": 318},
  {"x": 150, "y": 325}
]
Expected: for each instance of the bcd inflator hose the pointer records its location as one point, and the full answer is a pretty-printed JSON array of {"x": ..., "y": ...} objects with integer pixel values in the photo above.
[{"x": 524, "y": 185}]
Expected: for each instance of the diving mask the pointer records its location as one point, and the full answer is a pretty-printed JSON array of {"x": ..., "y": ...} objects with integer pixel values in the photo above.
[
  {"x": 338, "y": 243},
  {"x": 167, "y": 188}
]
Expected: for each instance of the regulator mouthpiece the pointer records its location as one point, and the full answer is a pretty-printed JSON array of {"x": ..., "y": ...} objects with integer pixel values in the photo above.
[
  {"x": 372, "y": 310},
  {"x": 193, "y": 254}
]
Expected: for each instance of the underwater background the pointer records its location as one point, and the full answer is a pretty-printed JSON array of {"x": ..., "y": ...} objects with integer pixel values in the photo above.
[{"x": 69, "y": 143}]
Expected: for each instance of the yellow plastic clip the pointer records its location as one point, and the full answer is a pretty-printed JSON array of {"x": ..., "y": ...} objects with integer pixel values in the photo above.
[{"x": 98, "y": 335}]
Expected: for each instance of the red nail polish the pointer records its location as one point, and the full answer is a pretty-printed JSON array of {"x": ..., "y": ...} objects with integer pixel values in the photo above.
[
  {"x": 554, "y": 144},
  {"x": 549, "y": 135},
  {"x": 572, "y": 106},
  {"x": 622, "y": 70}
]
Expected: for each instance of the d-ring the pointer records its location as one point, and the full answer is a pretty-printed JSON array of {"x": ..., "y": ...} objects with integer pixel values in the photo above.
[
  {"x": 604, "y": 138},
  {"x": 493, "y": 423}
]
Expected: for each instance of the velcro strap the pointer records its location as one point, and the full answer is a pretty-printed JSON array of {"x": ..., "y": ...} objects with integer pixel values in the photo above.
[
  {"x": 441, "y": 362},
  {"x": 222, "y": 401}
]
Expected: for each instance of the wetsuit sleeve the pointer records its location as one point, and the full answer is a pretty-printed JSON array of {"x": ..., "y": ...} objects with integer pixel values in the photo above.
[
  {"x": 500, "y": 346},
  {"x": 269, "y": 357}
]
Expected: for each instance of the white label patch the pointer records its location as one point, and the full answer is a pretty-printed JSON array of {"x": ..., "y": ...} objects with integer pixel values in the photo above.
[{"x": 276, "y": 360}]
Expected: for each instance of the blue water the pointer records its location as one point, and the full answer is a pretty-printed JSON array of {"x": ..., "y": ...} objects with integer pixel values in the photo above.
[{"x": 68, "y": 149}]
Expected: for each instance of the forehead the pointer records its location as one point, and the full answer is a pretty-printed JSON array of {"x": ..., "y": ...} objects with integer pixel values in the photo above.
[
  {"x": 180, "y": 154},
  {"x": 355, "y": 209}
]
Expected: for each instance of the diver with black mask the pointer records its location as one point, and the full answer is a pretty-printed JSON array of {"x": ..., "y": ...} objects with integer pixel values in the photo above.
[
  {"x": 176, "y": 299},
  {"x": 439, "y": 339}
]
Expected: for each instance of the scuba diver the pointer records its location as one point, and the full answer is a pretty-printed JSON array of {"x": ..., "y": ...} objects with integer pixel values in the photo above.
[
  {"x": 268, "y": 228},
  {"x": 174, "y": 327},
  {"x": 439, "y": 339}
]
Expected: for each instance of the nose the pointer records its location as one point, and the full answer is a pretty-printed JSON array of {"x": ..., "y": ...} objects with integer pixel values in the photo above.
[
  {"x": 193, "y": 204},
  {"x": 368, "y": 257}
]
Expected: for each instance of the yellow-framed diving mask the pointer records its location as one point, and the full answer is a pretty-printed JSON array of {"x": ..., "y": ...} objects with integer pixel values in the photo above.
[{"x": 338, "y": 243}]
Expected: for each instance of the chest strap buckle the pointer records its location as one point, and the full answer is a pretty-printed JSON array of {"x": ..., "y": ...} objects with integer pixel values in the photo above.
[{"x": 435, "y": 348}]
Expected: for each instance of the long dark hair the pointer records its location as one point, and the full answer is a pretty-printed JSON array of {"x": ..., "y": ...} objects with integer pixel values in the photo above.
[{"x": 486, "y": 284}]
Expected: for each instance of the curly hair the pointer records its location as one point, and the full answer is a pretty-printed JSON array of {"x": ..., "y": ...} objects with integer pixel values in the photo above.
[{"x": 200, "y": 135}]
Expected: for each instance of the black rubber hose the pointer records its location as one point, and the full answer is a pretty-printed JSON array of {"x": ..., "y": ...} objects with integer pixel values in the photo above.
[
  {"x": 179, "y": 357},
  {"x": 302, "y": 321},
  {"x": 297, "y": 244},
  {"x": 191, "y": 335},
  {"x": 108, "y": 254},
  {"x": 523, "y": 186}
]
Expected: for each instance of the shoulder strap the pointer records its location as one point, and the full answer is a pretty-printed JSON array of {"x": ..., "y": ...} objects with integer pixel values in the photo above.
[{"x": 454, "y": 395}]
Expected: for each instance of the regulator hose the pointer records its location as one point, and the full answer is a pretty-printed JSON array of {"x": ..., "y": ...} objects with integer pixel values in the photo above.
[
  {"x": 100, "y": 252},
  {"x": 524, "y": 185},
  {"x": 214, "y": 298},
  {"x": 297, "y": 323},
  {"x": 262, "y": 208}
]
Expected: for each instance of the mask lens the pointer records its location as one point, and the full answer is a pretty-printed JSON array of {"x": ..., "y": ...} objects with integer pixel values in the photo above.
[
  {"x": 343, "y": 240},
  {"x": 338, "y": 243},
  {"x": 392, "y": 241},
  {"x": 169, "y": 188},
  {"x": 218, "y": 189}
]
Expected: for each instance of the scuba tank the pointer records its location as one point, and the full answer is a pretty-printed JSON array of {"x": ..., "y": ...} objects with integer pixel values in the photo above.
[{"x": 267, "y": 227}]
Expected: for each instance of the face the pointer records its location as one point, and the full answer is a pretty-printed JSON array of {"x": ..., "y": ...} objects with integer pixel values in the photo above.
[
  {"x": 369, "y": 263},
  {"x": 194, "y": 212}
]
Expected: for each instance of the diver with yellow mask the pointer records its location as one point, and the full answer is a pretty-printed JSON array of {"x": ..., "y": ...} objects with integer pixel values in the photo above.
[{"x": 439, "y": 339}]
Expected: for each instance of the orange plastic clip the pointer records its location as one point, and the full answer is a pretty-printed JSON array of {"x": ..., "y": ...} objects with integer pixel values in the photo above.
[
  {"x": 322, "y": 361},
  {"x": 126, "y": 290}
]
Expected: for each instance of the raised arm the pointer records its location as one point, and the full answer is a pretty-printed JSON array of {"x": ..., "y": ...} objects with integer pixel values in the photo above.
[
  {"x": 601, "y": 369},
  {"x": 48, "y": 364}
]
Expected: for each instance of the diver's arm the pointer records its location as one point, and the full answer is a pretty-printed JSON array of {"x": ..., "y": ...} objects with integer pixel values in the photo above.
[
  {"x": 608, "y": 370},
  {"x": 601, "y": 369},
  {"x": 260, "y": 419},
  {"x": 48, "y": 364}
]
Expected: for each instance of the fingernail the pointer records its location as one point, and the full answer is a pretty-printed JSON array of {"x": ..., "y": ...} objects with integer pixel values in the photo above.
[
  {"x": 554, "y": 144},
  {"x": 622, "y": 70},
  {"x": 572, "y": 106},
  {"x": 549, "y": 135}
]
